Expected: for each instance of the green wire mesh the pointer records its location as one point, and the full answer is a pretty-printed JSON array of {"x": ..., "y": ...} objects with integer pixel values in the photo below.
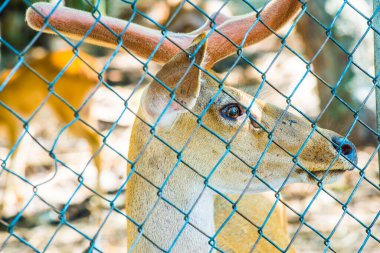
[{"x": 61, "y": 217}]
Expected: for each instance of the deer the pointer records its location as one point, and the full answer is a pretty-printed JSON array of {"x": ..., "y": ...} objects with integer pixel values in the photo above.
[
  {"x": 26, "y": 88},
  {"x": 196, "y": 141}
]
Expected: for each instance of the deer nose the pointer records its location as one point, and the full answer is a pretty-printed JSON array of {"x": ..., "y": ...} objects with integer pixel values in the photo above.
[{"x": 347, "y": 148}]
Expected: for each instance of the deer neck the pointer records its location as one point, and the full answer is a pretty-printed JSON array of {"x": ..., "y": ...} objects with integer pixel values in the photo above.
[{"x": 156, "y": 207}]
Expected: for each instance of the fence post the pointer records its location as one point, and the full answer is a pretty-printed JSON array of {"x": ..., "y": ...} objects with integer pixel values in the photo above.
[{"x": 376, "y": 25}]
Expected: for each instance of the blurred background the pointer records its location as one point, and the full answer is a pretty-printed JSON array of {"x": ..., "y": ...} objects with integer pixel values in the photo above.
[{"x": 332, "y": 34}]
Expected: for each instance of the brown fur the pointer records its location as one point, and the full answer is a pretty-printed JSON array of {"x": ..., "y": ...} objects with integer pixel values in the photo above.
[
  {"x": 240, "y": 235},
  {"x": 154, "y": 160}
]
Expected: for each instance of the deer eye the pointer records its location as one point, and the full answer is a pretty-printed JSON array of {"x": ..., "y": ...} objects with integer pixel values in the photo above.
[{"x": 231, "y": 111}]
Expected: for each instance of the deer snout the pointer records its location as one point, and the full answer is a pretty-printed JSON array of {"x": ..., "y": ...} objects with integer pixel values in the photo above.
[{"x": 346, "y": 147}]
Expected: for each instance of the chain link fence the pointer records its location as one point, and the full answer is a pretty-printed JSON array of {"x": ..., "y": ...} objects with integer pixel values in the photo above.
[{"x": 67, "y": 110}]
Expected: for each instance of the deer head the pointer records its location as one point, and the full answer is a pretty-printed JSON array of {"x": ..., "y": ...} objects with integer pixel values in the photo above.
[{"x": 194, "y": 137}]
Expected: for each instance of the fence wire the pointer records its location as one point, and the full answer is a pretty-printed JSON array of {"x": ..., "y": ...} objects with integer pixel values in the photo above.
[{"x": 61, "y": 219}]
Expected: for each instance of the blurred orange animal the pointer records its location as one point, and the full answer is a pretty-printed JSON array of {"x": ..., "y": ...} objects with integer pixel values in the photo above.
[{"x": 28, "y": 87}]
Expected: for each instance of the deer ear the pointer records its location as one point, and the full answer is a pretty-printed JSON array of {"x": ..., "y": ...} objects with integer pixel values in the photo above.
[{"x": 179, "y": 77}]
